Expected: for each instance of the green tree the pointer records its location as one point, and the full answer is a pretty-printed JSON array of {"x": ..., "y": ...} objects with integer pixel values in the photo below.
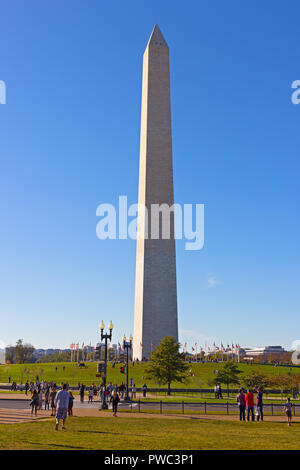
[
  {"x": 228, "y": 374},
  {"x": 23, "y": 352},
  {"x": 289, "y": 383},
  {"x": 9, "y": 354},
  {"x": 55, "y": 357},
  {"x": 167, "y": 364},
  {"x": 256, "y": 379}
]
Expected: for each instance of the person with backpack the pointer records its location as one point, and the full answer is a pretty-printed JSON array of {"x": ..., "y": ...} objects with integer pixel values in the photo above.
[
  {"x": 249, "y": 398},
  {"x": 242, "y": 404}
]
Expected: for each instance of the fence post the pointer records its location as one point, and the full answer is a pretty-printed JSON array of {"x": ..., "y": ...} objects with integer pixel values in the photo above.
[
  {"x": 205, "y": 407},
  {"x": 160, "y": 406},
  {"x": 227, "y": 407},
  {"x": 182, "y": 406},
  {"x": 139, "y": 403},
  {"x": 294, "y": 410},
  {"x": 272, "y": 408}
]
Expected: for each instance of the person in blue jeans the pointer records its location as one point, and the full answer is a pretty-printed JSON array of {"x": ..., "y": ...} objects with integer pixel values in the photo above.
[
  {"x": 259, "y": 405},
  {"x": 242, "y": 404}
]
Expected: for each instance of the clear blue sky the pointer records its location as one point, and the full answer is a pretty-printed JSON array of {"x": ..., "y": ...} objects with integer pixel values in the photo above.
[{"x": 70, "y": 141}]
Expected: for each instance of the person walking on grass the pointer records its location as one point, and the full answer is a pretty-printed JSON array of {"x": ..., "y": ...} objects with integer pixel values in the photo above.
[
  {"x": 34, "y": 402},
  {"x": 288, "y": 410},
  {"x": 52, "y": 399},
  {"x": 91, "y": 394},
  {"x": 71, "y": 400},
  {"x": 114, "y": 399},
  {"x": 62, "y": 405},
  {"x": 250, "y": 405},
  {"x": 242, "y": 404}
]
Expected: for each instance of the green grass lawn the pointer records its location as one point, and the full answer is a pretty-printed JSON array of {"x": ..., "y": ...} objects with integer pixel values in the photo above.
[
  {"x": 150, "y": 434},
  {"x": 73, "y": 375}
]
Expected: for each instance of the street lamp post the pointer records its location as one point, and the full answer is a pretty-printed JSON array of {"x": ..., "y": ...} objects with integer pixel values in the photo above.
[
  {"x": 127, "y": 345},
  {"x": 105, "y": 337}
]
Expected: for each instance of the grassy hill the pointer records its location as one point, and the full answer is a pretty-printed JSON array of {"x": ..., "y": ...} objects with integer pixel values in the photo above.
[{"x": 73, "y": 374}]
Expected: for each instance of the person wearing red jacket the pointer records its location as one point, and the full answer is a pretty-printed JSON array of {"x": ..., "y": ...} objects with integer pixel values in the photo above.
[{"x": 249, "y": 398}]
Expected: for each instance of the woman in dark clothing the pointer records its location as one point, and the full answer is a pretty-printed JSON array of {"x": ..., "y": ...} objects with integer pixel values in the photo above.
[
  {"x": 82, "y": 393},
  {"x": 52, "y": 398},
  {"x": 114, "y": 399},
  {"x": 34, "y": 402},
  {"x": 47, "y": 398},
  {"x": 70, "y": 407}
]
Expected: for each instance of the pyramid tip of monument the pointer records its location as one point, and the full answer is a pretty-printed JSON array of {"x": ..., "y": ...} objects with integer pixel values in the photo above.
[{"x": 156, "y": 38}]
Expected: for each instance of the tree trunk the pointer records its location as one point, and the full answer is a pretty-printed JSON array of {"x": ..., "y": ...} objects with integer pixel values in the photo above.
[{"x": 169, "y": 389}]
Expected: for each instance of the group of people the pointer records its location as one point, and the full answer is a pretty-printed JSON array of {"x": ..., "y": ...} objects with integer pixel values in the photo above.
[
  {"x": 246, "y": 401},
  {"x": 48, "y": 395},
  {"x": 94, "y": 391},
  {"x": 218, "y": 391}
]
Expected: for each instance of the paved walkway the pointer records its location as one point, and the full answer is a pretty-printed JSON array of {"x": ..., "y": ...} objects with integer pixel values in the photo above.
[{"x": 10, "y": 416}]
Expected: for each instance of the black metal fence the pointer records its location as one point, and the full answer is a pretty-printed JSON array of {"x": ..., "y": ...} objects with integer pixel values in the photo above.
[{"x": 225, "y": 408}]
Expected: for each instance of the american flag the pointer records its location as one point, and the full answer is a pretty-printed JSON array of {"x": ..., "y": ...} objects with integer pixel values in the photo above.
[{"x": 141, "y": 345}]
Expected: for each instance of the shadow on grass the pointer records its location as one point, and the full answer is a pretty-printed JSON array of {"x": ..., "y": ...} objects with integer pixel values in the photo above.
[
  {"x": 116, "y": 433},
  {"x": 39, "y": 445}
]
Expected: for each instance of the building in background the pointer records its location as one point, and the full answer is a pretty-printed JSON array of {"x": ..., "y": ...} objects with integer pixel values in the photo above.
[{"x": 265, "y": 351}]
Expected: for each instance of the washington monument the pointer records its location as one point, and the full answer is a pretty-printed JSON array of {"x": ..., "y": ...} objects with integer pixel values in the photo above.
[{"x": 155, "y": 310}]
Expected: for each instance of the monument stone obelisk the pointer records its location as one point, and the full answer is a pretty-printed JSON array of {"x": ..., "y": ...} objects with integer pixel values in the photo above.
[{"x": 155, "y": 314}]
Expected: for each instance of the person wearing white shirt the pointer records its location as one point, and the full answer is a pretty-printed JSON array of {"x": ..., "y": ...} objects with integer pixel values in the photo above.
[{"x": 62, "y": 403}]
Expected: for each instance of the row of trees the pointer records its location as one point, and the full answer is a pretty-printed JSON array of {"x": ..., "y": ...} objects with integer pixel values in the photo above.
[
  {"x": 275, "y": 358},
  {"x": 21, "y": 353},
  {"x": 168, "y": 365}
]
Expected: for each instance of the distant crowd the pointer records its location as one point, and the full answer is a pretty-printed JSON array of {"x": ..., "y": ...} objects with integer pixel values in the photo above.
[{"x": 60, "y": 402}]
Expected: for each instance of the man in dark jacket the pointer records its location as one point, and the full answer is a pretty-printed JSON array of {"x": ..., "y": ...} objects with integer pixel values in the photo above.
[
  {"x": 259, "y": 404},
  {"x": 114, "y": 399}
]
